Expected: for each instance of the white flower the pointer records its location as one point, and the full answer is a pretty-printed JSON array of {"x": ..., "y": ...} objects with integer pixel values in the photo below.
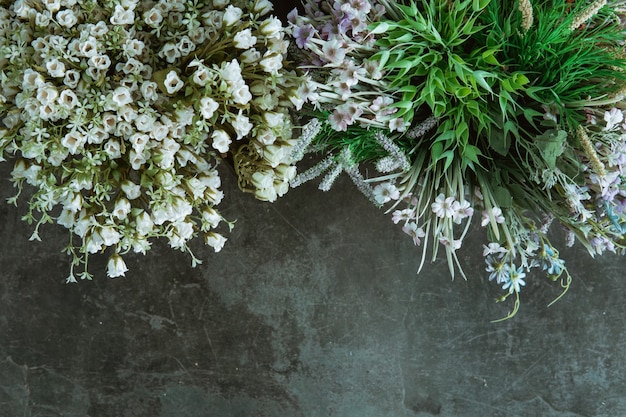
[
  {"x": 121, "y": 208},
  {"x": 262, "y": 7},
  {"x": 221, "y": 140},
  {"x": 402, "y": 215},
  {"x": 110, "y": 236},
  {"x": 215, "y": 240},
  {"x": 415, "y": 232},
  {"x": 275, "y": 155},
  {"x": 149, "y": 90},
  {"x": 208, "y": 106},
  {"x": 454, "y": 244},
  {"x": 241, "y": 95},
  {"x": 144, "y": 223},
  {"x": 66, "y": 219},
  {"x": 172, "y": 82},
  {"x": 68, "y": 99},
  {"x": 496, "y": 213},
  {"x": 201, "y": 76},
  {"x": 493, "y": 248},
  {"x": 55, "y": 68},
  {"x": 285, "y": 172},
  {"x": 443, "y": 207},
  {"x": 52, "y": 5},
  {"x": 93, "y": 242},
  {"x": 32, "y": 79},
  {"x": 182, "y": 232},
  {"x": 131, "y": 189},
  {"x": 74, "y": 141},
  {"x": 273, "y": 119},
  {"x": 462, "y": 210},
  {"x": 184, "y": 115},
  {"x": 265, "y": 136},
  {"x": 89, "y": 47},
  {"x": 244, "y": 39},
  {"x": 133, "y": 47},
  {"x": 232, "y": 15},
  {"x": 271, "y": 63},
  {"x": 153, "y": 17},
  {"x": 263, "y": 179},
  {"x": 100, "y": 62},
  {"x": 250, "y": 56},
  {"x": 271, "y": 27},
  {"x": 137, "y": 158},
  {"x": 385, "y": 192},
  {"x": 121, "y": 96},
  {"x": 66, "y": 18},
  {"x": 74, "y": 204},
  {"x": 47, "y": 94},
  {"x": 113, "y": 149},
  {"x": 269, "y": 194},
  {"x": 241, "y": 125},
  {"x": 613, "y": 118},
  {"x": 211, "y": 217},
  {"x": 122, "y": 16},
  {"x": 71, "y": 79},
  {"x": 116, "y": 267},
  {"x": 231, "y": 72},
  {"x": 170, "y": 52}
]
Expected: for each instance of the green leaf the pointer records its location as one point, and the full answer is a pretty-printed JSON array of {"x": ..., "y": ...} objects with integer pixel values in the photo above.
[
  {"x": 551, "y": 146},
  {"x": 499, "y": 141},
  {"x": 379, "y": 27},
  {"x": 436, "y": 151},
  {"x": 479, "y": 76},
  {"x": 489, "y": 58},
  {"x": 502, "y": 197},
  {"x": 478, "y": 5},
  {"x": 462, "y": 92}
]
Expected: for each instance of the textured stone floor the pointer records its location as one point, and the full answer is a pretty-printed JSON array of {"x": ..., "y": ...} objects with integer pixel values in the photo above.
[{"x": 312, "y": 309}]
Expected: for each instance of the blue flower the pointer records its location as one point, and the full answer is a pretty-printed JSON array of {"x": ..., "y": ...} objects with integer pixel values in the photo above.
[{"x": 515, "y": 279}]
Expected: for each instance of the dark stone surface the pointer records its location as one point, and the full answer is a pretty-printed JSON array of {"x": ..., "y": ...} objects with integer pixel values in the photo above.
[{"x": 312, "y": 309}]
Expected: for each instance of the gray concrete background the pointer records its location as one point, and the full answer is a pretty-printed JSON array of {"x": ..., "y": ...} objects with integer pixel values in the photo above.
[{"x": 312, "y": 309}]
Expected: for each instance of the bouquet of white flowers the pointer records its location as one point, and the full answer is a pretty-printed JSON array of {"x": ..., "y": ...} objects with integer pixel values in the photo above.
[{"x": 117, "y": 112}]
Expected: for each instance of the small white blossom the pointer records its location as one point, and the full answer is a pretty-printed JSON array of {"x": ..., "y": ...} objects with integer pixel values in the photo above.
[
  {"x": 271, "y": 27},
  {"x": 208, "y": 106},
  {"x": 122, "y": 16},
  {"x": 241, "y": 125},
  {"x": 116, "y": 267},
  {"x": 172, "y": 82},
  {"x": 221, "y": 141},
  {"x": 55, "y": 68},
  {"x": 244, "y": 39},
  {"x": 385, "y": 192},
  {"x": 132, "y": 190},
  {"x": 232, "y": 15},
  {"x": 215, "y": 240},
  {"x": 66, "y": 18},
  {"x": 271, "y": 63}
]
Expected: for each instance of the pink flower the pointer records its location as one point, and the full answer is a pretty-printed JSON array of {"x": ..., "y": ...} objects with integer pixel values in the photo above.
[{"x": 415, "y": 232}]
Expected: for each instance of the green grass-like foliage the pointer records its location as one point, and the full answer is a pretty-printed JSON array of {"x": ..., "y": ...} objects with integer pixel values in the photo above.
[{"x": 470, "y": 64}]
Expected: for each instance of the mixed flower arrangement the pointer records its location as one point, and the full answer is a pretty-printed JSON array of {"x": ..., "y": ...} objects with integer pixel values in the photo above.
[
  {"x": 505, "y": 111},
  {"x": 509, "y": 113}
]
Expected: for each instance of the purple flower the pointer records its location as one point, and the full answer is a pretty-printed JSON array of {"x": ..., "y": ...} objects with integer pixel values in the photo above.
[{"x": 303, "y": 34}]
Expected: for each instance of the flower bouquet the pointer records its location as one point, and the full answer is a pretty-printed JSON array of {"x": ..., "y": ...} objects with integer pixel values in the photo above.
[
  {"x": 508, "y": 113},
  {"x": 116, "y": 114}
]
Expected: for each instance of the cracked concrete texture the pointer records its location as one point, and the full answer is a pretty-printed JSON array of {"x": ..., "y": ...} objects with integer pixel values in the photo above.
[{"x": 312, "y": 309}]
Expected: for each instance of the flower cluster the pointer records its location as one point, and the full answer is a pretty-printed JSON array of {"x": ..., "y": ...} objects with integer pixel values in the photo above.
[
  {"x": 477, "y": 110},
  {"x": 116, "y": 113}
]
